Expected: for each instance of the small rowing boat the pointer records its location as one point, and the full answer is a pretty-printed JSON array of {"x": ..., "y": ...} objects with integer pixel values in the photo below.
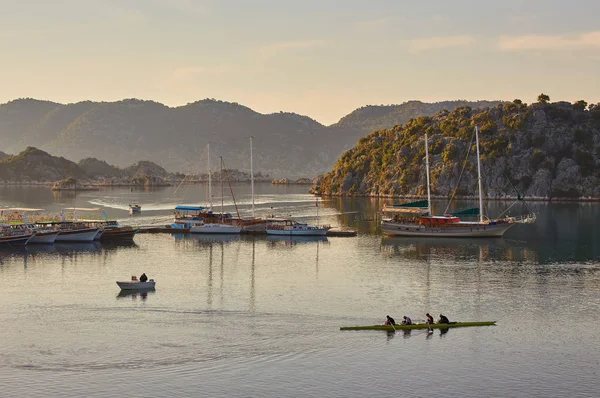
[
  {"x": 136, "y": 285},
  {"x": 389, "y": 328}
]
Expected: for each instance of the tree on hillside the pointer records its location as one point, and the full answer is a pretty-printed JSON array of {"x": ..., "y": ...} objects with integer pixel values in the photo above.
[
  {"x": 580, "y": 105},
  {"x": 543, "y": 98},
  {"x": 517, "y": 101}
]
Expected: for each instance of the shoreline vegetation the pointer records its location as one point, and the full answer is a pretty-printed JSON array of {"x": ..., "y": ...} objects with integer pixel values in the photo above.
[{"x": 458, "y": 197}]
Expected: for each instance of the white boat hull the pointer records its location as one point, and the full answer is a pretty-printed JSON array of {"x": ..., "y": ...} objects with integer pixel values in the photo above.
[
  {"x": 136, "y": 285},
  {"x": 298, "y": 232},
  {"x": 474, "y": 231},
  {"x": 215, "y": 229},
  {"x": 77, "y": 235},
  {"x": 43, "y": 237}
]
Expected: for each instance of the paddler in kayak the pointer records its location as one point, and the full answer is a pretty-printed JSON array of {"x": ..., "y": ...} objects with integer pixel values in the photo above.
[
  {"x": 443, "y": 319},
  {"x": 407, "y": 321},
  {"x": 389, "y": 321},
  {"x": 429, "y": 319}
]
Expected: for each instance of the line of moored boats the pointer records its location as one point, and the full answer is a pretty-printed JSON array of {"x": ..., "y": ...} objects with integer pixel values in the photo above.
[
  {"x": 202, "y": 220},
  {"x": 22, "y": 226}
]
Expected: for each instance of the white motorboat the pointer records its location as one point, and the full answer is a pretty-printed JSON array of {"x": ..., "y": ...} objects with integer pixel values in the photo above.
[
  {"x": 135, "y": 209},
  {"x": 287, "y": 226},
  {"x": 136, "y": 285}
]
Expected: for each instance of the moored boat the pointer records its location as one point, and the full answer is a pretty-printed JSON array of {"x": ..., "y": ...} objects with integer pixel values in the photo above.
[
  {"x": 289, "y": 227},
  {"x": 212, "y": 228},
  {"x": 118, "y": 233},
  {"x": 391, "y": 328},
  {"x": 416, "y": 218},
  {"x": 75, "y": 232},
  {"x": 45, "y": 236},
  {"x": 14, "y": 237}
]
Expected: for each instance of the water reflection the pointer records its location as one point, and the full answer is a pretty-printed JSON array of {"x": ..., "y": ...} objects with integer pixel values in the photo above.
[
  {"x": 134, "y": 294},
  {"x": 214, "y": 238},
  {"x": 275, "y": 241},
  {"x": 426, "y": 249},
  {"x": 67, "y": 251}
]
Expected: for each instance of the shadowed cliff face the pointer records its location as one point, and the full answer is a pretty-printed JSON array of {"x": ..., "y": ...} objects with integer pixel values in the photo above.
[
  {"x": 123, "y": 132},
  {"x": 545, "y": 151}
]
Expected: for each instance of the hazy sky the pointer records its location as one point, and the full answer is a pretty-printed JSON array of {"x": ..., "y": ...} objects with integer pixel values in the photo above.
[{"x": 318, "y": 58}]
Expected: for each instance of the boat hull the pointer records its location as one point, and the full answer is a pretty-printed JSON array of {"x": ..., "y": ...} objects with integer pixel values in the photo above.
[
  {"x": 15, "y": 240},
  {"x": 77, "y": 235},
  {"x": 389, "y": 328},
  {"x": 136, "y": 285},
  {"x": 474, "y": 231},
  {"x": 43, "y": 237},
  {"x": 215, "y": 229},
  {"x": 122, "y": 233}
]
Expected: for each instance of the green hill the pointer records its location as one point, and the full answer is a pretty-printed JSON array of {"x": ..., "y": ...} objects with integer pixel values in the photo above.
[{"x": 547, "y": 150}]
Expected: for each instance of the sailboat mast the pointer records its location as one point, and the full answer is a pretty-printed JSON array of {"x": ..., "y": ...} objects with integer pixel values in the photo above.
[
  {"x": 221, "y": 175},
  {"x": 209, "y": 180},
  {"x": 252, "y": 176},
  {"x": 479, "y": 176},
  {"x": 427, "y": 169}
]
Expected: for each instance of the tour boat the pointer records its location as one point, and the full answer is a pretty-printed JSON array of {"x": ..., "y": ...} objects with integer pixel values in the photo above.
[
  {"x": 415, "y": 218},
  {"x": 391, "y": 328},
  {"x": 118, "y": 233},
  {"x": 26, "y": 219},
  {"x": 45, "y": 236},
  {"x": 14, "y": 237}
]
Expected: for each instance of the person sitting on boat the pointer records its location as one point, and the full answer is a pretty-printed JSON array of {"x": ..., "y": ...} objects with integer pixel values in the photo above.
[
  {"x": 443, "y": 319},
  {"x": 143, "y": 278},
  {"x": 407, "y": 321},
  {"x": 389, "y": 321},
  {"x": 429, "y": 318}
]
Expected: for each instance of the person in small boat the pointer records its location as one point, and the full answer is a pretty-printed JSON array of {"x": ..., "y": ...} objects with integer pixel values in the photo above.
[
  {"x": 429, "y": 318},
  {"x": 389, "y": 320},
  {"x": 443, "y": 319},
  {"x": 407, "y": 321},
  {"x": 143, "y": 278}
]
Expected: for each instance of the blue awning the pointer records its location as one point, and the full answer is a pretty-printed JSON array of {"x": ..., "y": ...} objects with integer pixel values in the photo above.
[{"x": 189, "y": 208}]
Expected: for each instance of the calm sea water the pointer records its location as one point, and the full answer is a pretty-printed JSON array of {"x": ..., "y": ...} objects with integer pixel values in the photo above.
[{"x": 260, "y": 316}]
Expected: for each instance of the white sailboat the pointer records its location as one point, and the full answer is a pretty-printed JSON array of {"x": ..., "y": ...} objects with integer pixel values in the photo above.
[
  {"x": 213, "y": 227},
  {"x": 253, "y": 224},
  {"x": 415, "y": 219}
]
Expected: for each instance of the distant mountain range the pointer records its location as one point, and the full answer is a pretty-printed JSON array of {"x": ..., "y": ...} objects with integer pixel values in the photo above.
[
  {"x": 124, "y": 132},
  {"x": 34, "y": 165}
]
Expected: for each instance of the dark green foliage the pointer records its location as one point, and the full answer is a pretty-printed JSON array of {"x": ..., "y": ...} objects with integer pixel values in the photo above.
[
  {"x": 580, "y": 105},
  {"x": 543, "y": 98},
  {"x": 585, "y": 161},
  {"x": 584, "y": 137}
]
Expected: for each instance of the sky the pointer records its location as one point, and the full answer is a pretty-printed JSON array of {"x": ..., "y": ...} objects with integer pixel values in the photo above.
[{"x": 320, "y": 58}]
